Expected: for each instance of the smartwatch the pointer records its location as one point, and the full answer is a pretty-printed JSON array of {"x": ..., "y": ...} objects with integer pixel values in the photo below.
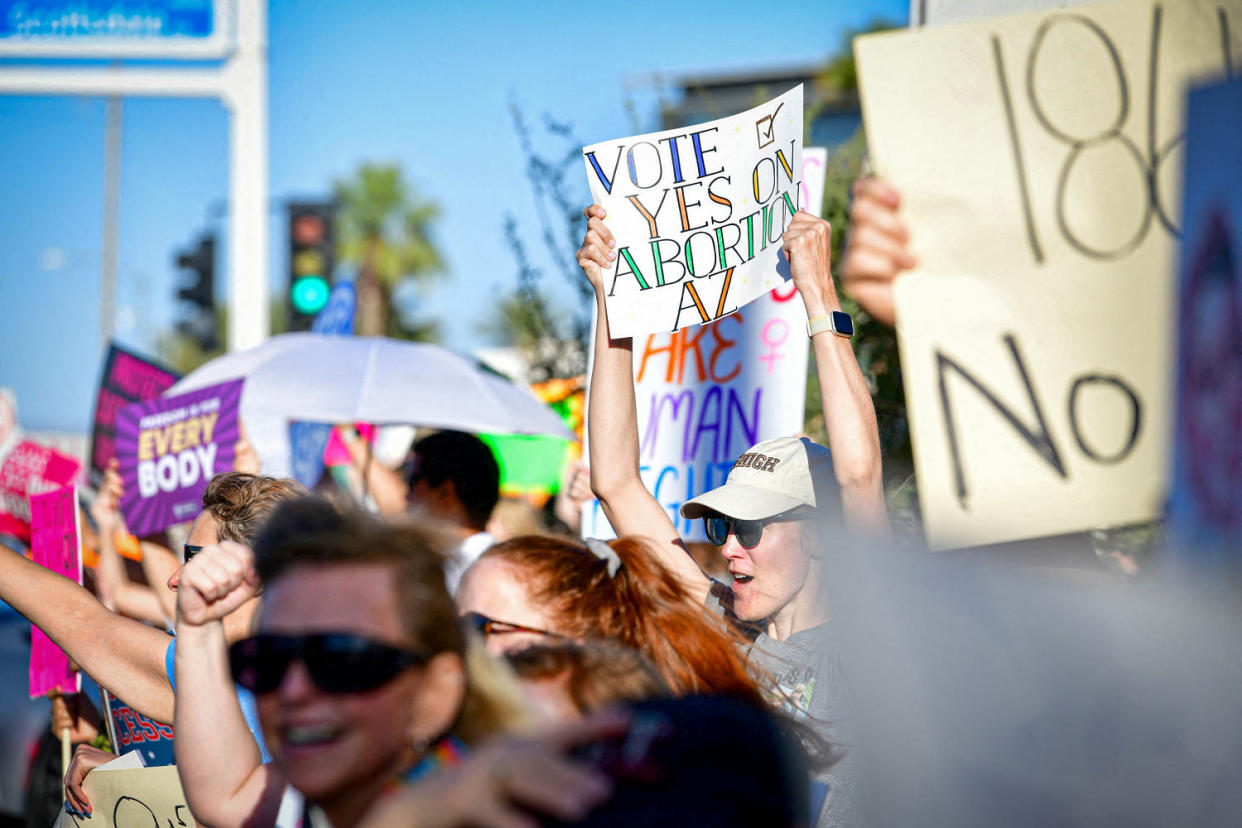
[{"x": 839, "y": 322}]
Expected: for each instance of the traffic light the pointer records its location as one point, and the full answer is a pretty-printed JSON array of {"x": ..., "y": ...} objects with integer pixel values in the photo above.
[
  {"x": 311, "y": 261},
  {"x": 200, "y": 323}
]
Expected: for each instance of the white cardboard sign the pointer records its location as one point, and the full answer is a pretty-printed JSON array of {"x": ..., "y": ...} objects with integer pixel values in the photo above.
[{"x": 698, "y": 215}]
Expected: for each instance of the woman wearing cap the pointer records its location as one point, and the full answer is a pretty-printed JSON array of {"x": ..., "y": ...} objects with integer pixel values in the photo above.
[{"x": 766, "y": 517}]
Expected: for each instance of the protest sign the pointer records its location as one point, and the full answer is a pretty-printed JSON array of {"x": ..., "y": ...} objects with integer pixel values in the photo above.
[
  {"x": 54, "y": 544},
  {"x": 698, "y": 215},
  {"x": 308, "y": 441},
  {"x": 168, "y": 451},
  {"x": 28, "y": 469},
  {"x": 1205, "y": 505},
  {"x": 1041, "y": 195},
  {"x": 132, "y": 798},
  {"x": 130, "y": 730},
  {"x": 10, "y": 432},
  {"x": 705, "y": 396},
  {"x": 127, "y": 378}
]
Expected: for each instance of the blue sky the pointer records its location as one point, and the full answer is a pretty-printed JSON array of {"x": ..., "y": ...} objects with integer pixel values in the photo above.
[{"x": 426, "y": 86}]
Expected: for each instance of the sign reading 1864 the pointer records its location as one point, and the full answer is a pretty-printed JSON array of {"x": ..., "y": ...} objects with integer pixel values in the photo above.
[
  {"x": 90, "y": 28},
  {"x": 1042, "y": 194},
  {"x": 698, "y": 215}
]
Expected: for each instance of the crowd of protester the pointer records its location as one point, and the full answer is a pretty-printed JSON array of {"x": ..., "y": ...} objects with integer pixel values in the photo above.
[{"x": 397, "y": 665}]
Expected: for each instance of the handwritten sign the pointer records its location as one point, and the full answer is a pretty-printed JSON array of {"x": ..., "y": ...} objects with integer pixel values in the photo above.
[
  {"x": 127, "y": 378},
  {"x": 29, "y": 469},
  {"x": 132, "y": 798},
  {"x": 168, "y": 451},
  {"x": 705, "y": 396},
  {"x": 1205, "y": 506},
  {"x": 1042, "y": 197},
  {"x": 54, "y": 544},
  {"x": 698, "y": 215}
]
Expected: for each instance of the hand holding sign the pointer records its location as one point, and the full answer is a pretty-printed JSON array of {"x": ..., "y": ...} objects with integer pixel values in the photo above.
[
  {"x": 597, "y": 251},
  {"x": 807, "y": 244},
  {"x": 217, "y": 581},
  {"x": 106, "y": 509},
  {"x": 877, "y": 251}
]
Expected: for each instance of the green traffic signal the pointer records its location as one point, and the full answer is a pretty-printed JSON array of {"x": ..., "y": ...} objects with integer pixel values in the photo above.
[{"x": 309, "y": 294}]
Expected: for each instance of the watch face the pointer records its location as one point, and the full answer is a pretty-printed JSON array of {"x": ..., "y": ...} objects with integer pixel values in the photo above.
[{"x": 842, "y": 323}]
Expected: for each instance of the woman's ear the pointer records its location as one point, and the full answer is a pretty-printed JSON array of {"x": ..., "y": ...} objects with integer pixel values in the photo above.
[{"x": 439, "y": 699}]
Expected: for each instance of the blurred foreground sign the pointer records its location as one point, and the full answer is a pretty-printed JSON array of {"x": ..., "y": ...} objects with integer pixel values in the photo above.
[
  {"x": 698, "y": 215},
  {"x": 169, "y": 449},
  {"x": 55, "y": 545},
  {"x": 133, "y": 798},
  {"x": 1205, "y": 506},
  {"x": 1039, "y": 158},
  {"x": 121, "y": 28}
]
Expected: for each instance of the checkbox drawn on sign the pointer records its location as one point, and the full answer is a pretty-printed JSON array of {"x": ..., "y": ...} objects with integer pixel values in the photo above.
[{"x": 765, "y": 133}]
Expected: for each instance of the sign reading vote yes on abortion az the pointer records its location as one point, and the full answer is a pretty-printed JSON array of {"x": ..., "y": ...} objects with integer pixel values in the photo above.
[
  {"x": 169, "y": 449},
  {"x": 698, "y": 215}
]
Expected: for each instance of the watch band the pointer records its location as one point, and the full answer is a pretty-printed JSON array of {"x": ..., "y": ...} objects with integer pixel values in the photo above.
[{"x": 838, "y": 322}]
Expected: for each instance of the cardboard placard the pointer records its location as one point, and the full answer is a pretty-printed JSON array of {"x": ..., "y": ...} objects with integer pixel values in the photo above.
[
  {"x": 127, "y": 378},
  {"x": 1038, "y": 157},
  {"x": 698, "y": 215},
  {"x": 704, "y": 396},
  {"x": 168, "y": 451},
  {"x": 132, "y": 798},
  {"x": 55, "y": 532}
]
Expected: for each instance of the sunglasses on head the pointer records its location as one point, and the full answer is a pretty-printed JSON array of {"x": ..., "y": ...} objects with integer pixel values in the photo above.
[
  {"x": 747, "y": 532},
  {"x": 485, "y": 626},
  {"x": 190, "y": 551},
  {"x": 336, "y": 662}
]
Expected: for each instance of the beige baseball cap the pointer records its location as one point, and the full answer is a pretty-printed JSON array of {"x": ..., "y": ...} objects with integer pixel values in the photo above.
[{"x": 772, "y": 477}]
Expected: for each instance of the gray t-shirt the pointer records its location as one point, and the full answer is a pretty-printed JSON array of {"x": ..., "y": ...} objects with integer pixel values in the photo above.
[{"x": 806, "y": 674}]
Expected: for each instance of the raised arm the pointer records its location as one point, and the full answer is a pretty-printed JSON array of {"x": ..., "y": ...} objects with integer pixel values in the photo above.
[
  {"x": 876, "y": 253},
  {"x": 123, "y": 655},
  {"x": 116, "y": 591},
  {"x": 612, "y": 423},
  {"x": 226, "y": 783},
  {"x": 849, "y": 416}
]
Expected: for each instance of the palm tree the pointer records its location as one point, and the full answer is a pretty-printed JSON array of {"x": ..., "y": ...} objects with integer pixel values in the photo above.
[{"x": 384, "y": 230}]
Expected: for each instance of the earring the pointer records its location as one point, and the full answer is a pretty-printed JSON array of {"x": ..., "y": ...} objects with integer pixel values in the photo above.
[{"x": 420, "y": 744}]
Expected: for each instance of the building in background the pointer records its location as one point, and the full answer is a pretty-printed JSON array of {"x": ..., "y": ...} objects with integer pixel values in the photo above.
[{"x": 833, "y": 115}]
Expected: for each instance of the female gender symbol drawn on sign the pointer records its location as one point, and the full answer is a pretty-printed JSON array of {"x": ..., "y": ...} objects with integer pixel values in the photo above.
[{"x": 775, "y": 352}]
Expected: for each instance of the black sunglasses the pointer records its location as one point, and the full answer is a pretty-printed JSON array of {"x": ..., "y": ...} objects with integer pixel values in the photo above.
[
  {"x": 485, "y": 626},
  {"x": 747, "y": 532},
  {"x": 190, "y": 551},
  {"x": 337, "y": 662}
]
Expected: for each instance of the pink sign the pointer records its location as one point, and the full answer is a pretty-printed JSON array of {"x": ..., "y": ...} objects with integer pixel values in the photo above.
[
  {"x": 30, "y": 469},
  {"x": 54, "y": 544}
]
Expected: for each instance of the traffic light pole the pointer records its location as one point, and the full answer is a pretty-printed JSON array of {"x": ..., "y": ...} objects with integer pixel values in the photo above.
[{"x": 241, "y": 84}]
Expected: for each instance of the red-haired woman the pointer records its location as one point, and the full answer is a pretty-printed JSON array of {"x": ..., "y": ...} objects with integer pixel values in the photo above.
[{"x": 535, "y": 589}]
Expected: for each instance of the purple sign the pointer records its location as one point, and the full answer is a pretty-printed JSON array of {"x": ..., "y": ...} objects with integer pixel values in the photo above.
[
  {"x": 127, "y": 378},
  {"x": 168, "y": 451}
]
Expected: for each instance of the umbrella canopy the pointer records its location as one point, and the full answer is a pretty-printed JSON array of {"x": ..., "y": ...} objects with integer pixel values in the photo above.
[{"x": 334, "y": 379}]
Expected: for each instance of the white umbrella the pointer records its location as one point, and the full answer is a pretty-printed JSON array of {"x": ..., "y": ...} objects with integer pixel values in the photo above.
[{"x": 336, "y": 379}]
